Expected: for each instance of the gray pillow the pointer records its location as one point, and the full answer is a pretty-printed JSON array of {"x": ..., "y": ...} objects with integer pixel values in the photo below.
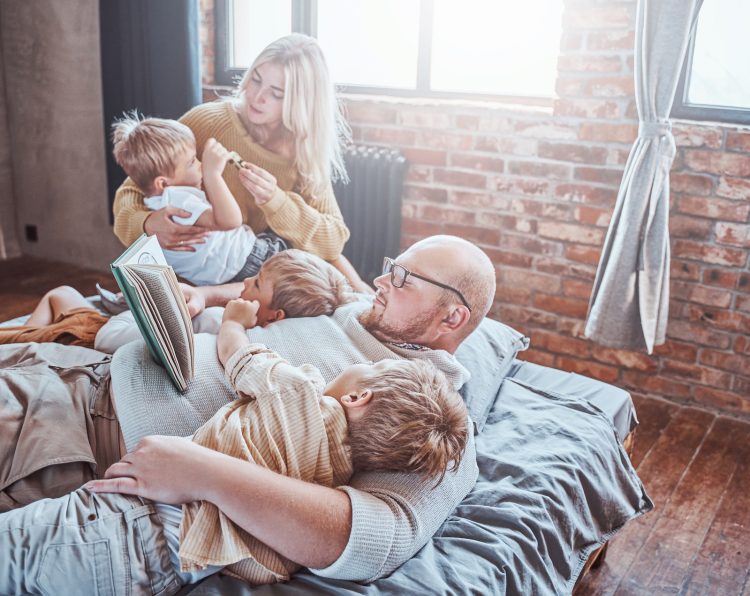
[{"x": 488, "y": 354}]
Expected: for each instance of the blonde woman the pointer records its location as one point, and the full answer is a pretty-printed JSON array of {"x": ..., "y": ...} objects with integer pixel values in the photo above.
[{"x": 285, "y": 123}]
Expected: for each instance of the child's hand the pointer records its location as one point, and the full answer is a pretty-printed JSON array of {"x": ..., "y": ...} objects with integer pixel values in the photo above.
[
  {"x": 215, "y": 157},
  {"x": 244, "y": 312}
]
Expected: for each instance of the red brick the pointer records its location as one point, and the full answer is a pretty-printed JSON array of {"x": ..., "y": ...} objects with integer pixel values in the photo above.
[
  {"x": 569, "y": 86},
  {"x": 570, "y": 327},
  {"x": 520, "y": 186},
  {"x": 570, "y": 41},
  {"x": 601, "y": 175},
  {"x": 467, "y": 122},
  {"x": 420, "y": 229},
  {"x": 593, "y": 15},
  {"x": 558, "y": 212},
  {"x": 698, "y": 333},
  {"x": 608, "y": 87},
  {"x": 696, "y": 184},
  {"x": 605, "y": 373},
  {"x": 677, "y": 351},
  {"x": 426, "y": 193},
  {"x": 697, "y": 135},
  {"x": 742, "y": 303},
  {"x": 724, "y": 400},
  {"x": 496, "y": 122},
  {"x": 512, "y": 295},
  {"x": 583, "y": 254},
  {"x": 714, "y": 208},
  {"x": 537, "y": 357},
  {"x": 459, "y": 178},
  {"x": 625, "y": 358},
  {"x": 568, "y": 307},
  {"x": 586, "y": 108},
  {"x": 729, "y": 361},
  {"x": 734, "y": 234},
  {"x": 589, "y": 63},
  {"x": 617, "y": 157},
  {"x": 444, "y": 140},
  {"x": 699, "y": 374},
  {"x": 522, "y": 315},
  {"x": 367, "y": 113},
  {"x": 616, "y": 133},
  {"x": 389, "y": 136},
  {"x": 539, "y": 169},
  {"x": 505, "y": 145},
  {"x": 504, "y": 257},
  {"x": 682, "y": 226},
  {"x": 744, "y": 283},
  {"x": 684, "y": 270},
  {"x": 593, "y": 216},
  {"x": 547, "y": 130},
  {"x": 576, "y": 288},
  {"x": 444, "y": 214},
  {"x": 473, "y": 161},
  {"x": 424, "y": 118},
  {"x": 610, "y": 40},
  {"x": 742, "y": 345},
  {"x": 552, "y": 342},
  {"x": 580, "y": 193},
  {"x": 733, "y": 188},
  {"x": 738, "y": 141},
  {"x": 701, "y": 294},
  {"x": 502, "y": 221},
  {"x": 723, "y": 319},
  {"x": 741, "y": 386},
  {"x": 688, "y": 249},
  {"x": 573, "y": 152},
  {"x": 721, "y": 278},
  {"x": 655, "y": 385},
  {"x": 523, "y": 278},
  {"x": 462, "y": 198},
  {"x": 474, "y": 234},
  {"x": 417, "y": 173},
  {"x": 425, "y": 157},
  {"x": 528, "y": 245},
  {"x": 717, "y": 162},
  {"x": 571, "y": 233}
]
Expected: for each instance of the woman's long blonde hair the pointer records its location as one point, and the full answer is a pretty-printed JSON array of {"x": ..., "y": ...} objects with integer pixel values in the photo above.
[{"x": 311, "y": 113}]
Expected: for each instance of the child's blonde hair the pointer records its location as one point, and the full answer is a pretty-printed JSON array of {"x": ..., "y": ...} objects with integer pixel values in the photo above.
[
  {"x": 304, "y": 285},
  {"x": 147, "y": 148},
  {"x": 415, "y": 422},
  {"x": 310, "y": 110}
]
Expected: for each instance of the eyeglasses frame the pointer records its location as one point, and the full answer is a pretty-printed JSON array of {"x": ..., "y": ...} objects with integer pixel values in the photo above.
[{"x": 388, "y": 262}]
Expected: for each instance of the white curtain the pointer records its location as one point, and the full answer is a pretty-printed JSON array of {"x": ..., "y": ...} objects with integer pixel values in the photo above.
[{"x": 629, "y": 303}]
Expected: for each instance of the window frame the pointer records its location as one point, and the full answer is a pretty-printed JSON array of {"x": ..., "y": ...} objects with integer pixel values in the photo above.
[
  {"x": 685, "y": 110},
  {"x": 304, "y": 20}
]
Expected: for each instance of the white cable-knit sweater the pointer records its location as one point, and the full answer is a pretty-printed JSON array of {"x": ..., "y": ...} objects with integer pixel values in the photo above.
[{"x": 393, "y": 514}]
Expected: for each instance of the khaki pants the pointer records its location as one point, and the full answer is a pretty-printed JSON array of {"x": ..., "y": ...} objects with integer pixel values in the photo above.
[{"x": 85, "y": 543}]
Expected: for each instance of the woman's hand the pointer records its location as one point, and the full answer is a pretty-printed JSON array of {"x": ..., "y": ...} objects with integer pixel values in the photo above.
[
  {"x": 215, "y": 158},
  {"x": 159, "y": 468},
  {"x": 171, "y": 235},
  {"x": 259, "y": 182}
]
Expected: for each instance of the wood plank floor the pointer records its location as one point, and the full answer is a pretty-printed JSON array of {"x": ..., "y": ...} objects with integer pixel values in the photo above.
[{"x": 695, "y": 466}]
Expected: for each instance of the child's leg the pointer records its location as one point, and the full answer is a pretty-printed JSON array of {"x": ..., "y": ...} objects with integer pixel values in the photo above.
[
  {"x": 85, "y": 544},
  {"x": 344, "y": 266},
  {"x": 56, "y": 301}
]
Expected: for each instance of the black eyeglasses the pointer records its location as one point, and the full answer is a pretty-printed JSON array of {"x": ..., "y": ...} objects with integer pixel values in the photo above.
[{"x": 399, "y": 275}]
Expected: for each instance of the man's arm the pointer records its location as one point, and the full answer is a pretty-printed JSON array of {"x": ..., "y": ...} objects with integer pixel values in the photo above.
[{"x": 305, "y": 522}]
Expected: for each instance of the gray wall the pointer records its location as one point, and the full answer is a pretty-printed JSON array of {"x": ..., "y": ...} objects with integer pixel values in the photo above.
[
  {"x": 50, "y": 51},
  {"x": 8, "y": 243}
]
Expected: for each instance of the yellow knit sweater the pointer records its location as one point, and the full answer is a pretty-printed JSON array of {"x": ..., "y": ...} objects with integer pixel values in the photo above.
[{"x": 311, "y": 223}]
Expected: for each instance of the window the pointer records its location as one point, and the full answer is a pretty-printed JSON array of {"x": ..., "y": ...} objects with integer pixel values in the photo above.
[
  {"x": 427, "y": 48},
  {"x": 715, "y": 80}
]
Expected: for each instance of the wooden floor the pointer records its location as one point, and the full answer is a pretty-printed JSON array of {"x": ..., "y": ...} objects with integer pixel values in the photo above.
[{"x": 695, "y": 466}]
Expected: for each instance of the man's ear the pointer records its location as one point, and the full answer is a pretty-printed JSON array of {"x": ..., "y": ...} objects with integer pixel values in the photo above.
[
  {"x": 455, "y": 318},
  {"x": 160, "y": 183}
]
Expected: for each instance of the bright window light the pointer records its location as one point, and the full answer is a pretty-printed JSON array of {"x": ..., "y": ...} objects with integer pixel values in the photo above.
[{"x": 255, "y": 24}]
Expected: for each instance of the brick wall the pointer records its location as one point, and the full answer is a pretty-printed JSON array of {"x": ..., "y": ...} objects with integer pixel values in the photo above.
[{"x": 535, "y": 188}]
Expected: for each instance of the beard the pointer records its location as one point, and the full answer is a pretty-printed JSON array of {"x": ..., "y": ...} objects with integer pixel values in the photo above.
[{"x": 410, "y": 332}]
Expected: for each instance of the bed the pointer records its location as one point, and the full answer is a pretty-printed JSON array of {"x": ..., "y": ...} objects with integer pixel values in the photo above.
[{"x": 555, "y": 484}]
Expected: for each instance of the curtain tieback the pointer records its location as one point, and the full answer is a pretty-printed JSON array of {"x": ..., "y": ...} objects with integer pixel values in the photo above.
[{"x": 654, "y": 129}]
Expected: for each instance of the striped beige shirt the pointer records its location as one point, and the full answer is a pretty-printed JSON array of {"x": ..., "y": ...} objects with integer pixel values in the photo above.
[{"x": 280, "y": 420}]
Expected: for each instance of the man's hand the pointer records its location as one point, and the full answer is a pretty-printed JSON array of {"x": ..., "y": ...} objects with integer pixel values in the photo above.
[
  {"x": 171, "y": 235},
  {"x": 159, "y": 468},
  {"x": 196, "y": 302},
  {"x": 244, "y": 312},
  {"x": 215, "y": 158}
]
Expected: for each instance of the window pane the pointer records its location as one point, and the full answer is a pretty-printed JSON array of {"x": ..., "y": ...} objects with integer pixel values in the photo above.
[
  {"x": 371, "y": 43},
  {"x": 499, "y": 47},
  {"x": 255, "y": 24},
  {"x": 720, "y": 75}
]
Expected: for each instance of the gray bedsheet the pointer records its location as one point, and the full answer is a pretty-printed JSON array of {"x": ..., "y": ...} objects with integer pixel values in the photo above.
[{"x": 554, "y": 484}]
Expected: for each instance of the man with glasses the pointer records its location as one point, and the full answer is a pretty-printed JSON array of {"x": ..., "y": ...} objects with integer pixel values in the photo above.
[{"x": 427, "y": 301}]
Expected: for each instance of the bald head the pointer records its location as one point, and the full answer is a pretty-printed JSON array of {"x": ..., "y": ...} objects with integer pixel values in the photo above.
[{"x": 462, "y": 265}]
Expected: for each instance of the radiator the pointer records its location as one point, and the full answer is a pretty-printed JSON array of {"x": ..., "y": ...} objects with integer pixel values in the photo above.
[{"x": 371, "y": 205}]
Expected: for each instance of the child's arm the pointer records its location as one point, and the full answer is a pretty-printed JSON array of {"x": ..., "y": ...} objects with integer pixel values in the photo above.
[
  {"x": 238, "y": 316},
  {"x": 225, "y": 213}
]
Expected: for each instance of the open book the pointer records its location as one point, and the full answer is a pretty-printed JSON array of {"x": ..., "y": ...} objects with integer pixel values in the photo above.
[{"x": 154, "y": 296}]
